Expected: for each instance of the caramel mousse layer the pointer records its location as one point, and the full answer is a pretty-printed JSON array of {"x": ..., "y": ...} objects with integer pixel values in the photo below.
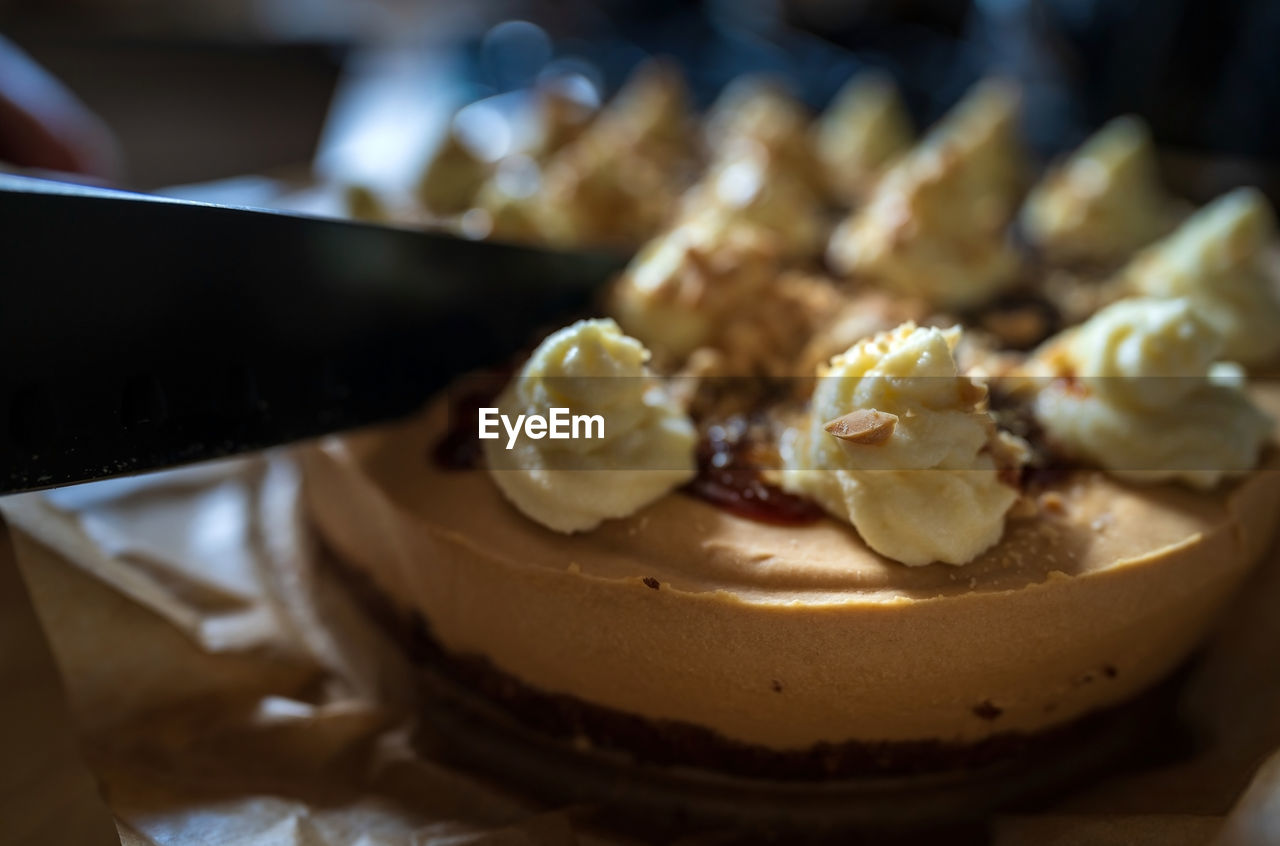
[{"x": 789, "y": 636}]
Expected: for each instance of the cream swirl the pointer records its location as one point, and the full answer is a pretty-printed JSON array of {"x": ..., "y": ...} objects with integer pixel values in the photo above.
[
  {"x": 863, "y": 130},
  {"x": 688, "y": 282},
  {"x": 1218, "y": 258},
  {"x": 749, "y": 187},
  {"x": 647, "y": 445},
  {"x": 934, "y": 227},
  {"x": 898, "y": 444},
  {"x": 1104, "y": 201},
  {"x": 760, "y": 111},
  {"x": 1144, "y": 397}
]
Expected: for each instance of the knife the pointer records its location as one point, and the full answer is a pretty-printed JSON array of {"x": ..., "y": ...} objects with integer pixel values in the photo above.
[{"x": 139, "y": 332}]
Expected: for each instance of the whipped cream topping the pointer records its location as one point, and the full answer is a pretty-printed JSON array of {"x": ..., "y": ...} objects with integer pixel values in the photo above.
[
  {"x": 722, "y": 256},
  {"x": 1218, "y": 258},
  {"x": 619, "y": 180},
  {"x": 983, "y": 127},
  {"x": 763, "y": 111},
  {"x": 452, "y": 177},
  {"x": 898, "y": 444},
  {"x": 934, "y": 226},
  {"x": 678, "y": 290},
  {"x": 596, "y": 191},
  {"x": 572, "y": 485},
  {"x": 560, "y": 116},
  {"x": 1104, "y": 201},
  {"x": 507, "y": 206},
  {"x": 750, "y": 186},
  {"x": 651, "y": 115},
  {"x": 863, "y": 130},
  {"x": 1146, "y": 397}
]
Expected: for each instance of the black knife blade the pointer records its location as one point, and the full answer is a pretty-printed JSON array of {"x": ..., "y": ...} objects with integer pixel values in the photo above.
[{"x": 139, "y": 332}]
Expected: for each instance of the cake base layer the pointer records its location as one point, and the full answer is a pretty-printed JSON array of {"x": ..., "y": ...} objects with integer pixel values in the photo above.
[{"x": 667, "y": 776}]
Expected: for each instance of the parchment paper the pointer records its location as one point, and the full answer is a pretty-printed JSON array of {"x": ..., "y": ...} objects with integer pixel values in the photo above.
[{"x": 226, "y": 691}]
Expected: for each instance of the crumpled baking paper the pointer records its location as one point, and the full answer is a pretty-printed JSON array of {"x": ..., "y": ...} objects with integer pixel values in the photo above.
[{"x": 225, "y": 690}]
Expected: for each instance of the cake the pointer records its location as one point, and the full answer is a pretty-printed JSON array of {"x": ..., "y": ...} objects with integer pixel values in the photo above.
[{"x": 838, "y": 528}]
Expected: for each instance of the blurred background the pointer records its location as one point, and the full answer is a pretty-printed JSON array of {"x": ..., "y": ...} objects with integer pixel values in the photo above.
[{"x": 199, "y": 90}]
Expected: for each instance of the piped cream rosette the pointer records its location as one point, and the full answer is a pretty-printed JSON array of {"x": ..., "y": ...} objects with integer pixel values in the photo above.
[
  {"x": 646, "y": 444},
  {"x": 898, "y": 443}
]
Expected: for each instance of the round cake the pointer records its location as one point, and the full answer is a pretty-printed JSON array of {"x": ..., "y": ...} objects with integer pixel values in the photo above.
[{"x": 895, "y": 496}]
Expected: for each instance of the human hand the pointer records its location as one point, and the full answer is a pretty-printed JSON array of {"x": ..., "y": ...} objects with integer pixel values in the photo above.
[{"x": 44, "y": 126}]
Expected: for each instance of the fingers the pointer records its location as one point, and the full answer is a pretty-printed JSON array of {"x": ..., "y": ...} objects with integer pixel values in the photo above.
[{"x": 44, "y": 126}]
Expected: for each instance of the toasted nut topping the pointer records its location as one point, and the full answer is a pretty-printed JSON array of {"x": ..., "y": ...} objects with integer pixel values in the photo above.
[
  {"x": 971, "y": 392},
  {"x": 1019, "y": 328},
  {"x": 1053, "y": 503},
  {"x": 863, "y": 426}
]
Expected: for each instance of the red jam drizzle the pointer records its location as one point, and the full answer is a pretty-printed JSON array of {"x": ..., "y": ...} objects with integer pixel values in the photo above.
[{"x": 728, "y": 480}]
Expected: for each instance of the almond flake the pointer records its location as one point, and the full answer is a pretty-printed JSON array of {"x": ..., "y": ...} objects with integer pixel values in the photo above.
[{"x": 863, "y": 426}]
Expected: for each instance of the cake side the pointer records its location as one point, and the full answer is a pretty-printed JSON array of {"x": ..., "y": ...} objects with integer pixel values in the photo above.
[
  {"x": 765, "y": 643},
  {"x": 471, "y": 689}
]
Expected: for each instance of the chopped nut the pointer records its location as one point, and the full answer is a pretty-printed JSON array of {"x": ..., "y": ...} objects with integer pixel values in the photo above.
[
  {"x": 1053, "y": 503},
  {"x": 971, "y": 392},
  {"x": 1020, "y": 327},
  {"x": 863, "y": 426}
]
